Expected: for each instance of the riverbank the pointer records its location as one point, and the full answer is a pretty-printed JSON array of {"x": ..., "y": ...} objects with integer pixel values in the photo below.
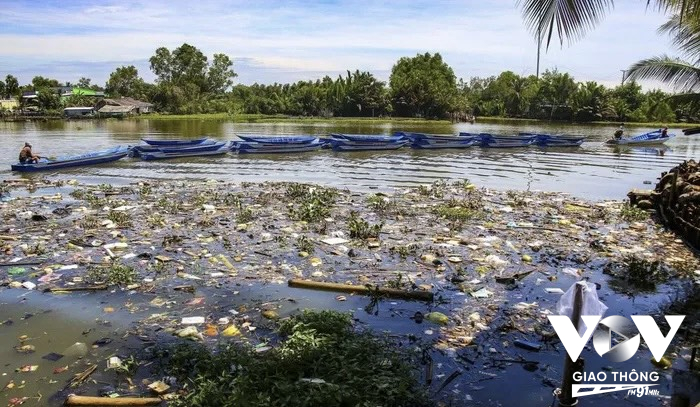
[{"x": 210, "y": 262}]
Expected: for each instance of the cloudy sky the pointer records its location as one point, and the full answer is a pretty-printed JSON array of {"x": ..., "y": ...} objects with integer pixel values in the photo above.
[{"x": 283, "y": 41}]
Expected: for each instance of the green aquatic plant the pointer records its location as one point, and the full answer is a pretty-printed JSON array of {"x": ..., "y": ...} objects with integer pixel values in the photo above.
[
  {"x": 631, "y": 213},
  {"x": 361, "y": 229},
  {"x": 120, "y": 218},
  {"x": 304, "y": 244},
  {"x": 319, "y": 361}
]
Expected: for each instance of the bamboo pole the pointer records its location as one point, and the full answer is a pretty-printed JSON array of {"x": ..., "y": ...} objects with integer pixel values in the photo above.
[
  {"x": 361, "y": 289},
  {"x": 74, "y": 400},
  {"x": 566, "y": 398}
]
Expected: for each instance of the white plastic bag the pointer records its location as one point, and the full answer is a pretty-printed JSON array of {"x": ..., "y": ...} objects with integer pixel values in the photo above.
[{"x": 591, "y": 303}]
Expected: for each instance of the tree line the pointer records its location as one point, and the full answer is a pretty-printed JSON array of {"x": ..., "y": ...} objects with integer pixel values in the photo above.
[{"x": 187, "y": 82}]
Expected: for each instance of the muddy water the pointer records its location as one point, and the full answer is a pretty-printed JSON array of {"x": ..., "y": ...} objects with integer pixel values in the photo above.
[{"x": 593, "y": 171}]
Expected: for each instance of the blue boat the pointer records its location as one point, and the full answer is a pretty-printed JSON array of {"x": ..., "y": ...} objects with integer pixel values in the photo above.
[
  {"x": 206, "y": 145},
  {"x": 272, "y": 148},
  {"x": 170, "y": 143},
  {"x": 279, "y": 140},
  {"x": 555, "y": 140},
  {"x": 159, "y": 155},
  {"x": 436, "y": 141},
  {"x": 493, "y": 141},
  {"x": 653, "y": 137},
  {"x": 368, "y": 138},
  {"x": 97, "y": 157},
  {"x": 347, "y": 145}
]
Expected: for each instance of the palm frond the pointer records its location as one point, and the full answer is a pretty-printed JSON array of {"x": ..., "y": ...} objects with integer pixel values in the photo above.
[
  {"x": 685, "y": 36},
  {"x": 679, "y": 74},
  {"x": 572, "y": 19},
  {"x": 683, "y": 98},
  {"x": 684, "y": 10}
]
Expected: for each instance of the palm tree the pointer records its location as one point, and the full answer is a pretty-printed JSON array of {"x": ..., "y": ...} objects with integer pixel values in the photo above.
[
  {"x": 681, "y": 74},
  {"x": 572, "y": 19}
]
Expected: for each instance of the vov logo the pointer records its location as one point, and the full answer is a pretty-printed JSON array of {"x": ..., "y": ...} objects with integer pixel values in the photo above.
[
  {"x": 630, "y": 332},
  {"x": 602, "y": 341}
]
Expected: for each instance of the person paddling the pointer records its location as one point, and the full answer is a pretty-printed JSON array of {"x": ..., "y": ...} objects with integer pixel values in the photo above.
[
  {"x": 26, "y": 156},
  {"x": 620, "y": 131}
]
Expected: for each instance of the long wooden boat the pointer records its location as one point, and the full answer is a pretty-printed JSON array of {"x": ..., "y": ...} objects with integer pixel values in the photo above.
[
  {"x": 93, "y": 158},
  {"x": 190, "y": 142},
  {"x": 207, "y": 145},
  {"x": 279, "y": 140},
  {"x": 555, "y": 140},
  {"x": 368, "y": 138},
  {"x": 436, "y": 141},
  {"x": 347, "y": 145},
  {"x": 651, "y": 138},
  {"x": 261, "y": 148},
  {"x": 493, "y": 141},
  {"x": 159, "y": 155}
]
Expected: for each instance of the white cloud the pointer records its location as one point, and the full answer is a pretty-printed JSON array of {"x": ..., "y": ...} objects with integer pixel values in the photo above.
[{"x": 306, "y": 38}]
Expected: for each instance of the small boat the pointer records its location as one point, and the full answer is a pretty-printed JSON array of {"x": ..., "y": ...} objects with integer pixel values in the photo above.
[
  {"x": 262, "y": 148},
  {"x": 368, "y": 138},
  {"x": 169, "y": 143},
  {"x": 159, "y": 155},
  {"x": 555, "y": 140},
  {"x": 347, "y": 145},
  {"x": 279, "y": 140},
  {"x": 207, "y": 145},
  {"x": 653, "y": 137},
  {"x": 493, "y": 141},
  {"x": 436, "y": 141},
  {"x": 97, "y": 157}
]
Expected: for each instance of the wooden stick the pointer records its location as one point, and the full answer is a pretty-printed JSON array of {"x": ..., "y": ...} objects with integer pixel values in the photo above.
[
  {"x": 81, "y": 377},
  {"x": 84, "y": 288},
  {"x": 389, "y": 292},
  {"x": 74, "y": 400},
  {"x": 6, "y": 237}
]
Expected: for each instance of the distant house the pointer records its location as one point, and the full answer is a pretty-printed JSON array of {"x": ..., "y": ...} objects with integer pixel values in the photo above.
[
  {"x": 137, "y": 106},
  {"x": 117, "y": 111},
  {"x": 9, "y": 104},
  {"x": 73, "y": 112}
]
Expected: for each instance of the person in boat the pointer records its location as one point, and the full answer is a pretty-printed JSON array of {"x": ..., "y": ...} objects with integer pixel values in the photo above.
[
  {"x": 664, "y": 132},
  {"x": 26, "y": 156},
  {"x": 620, "y": 132}
]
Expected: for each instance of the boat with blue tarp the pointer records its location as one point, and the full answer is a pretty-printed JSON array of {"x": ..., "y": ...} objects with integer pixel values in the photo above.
[
  {"x": 555, "y": 140},
  {"x": 495, "y": 141},
  {"x": 206, "y": 145},
  {"x": 82, "y": 160},
  {"x": 160, "y": 155},
  {"x": 274, "y": 148},
  {"x": 650, "y": 138},
  {"x": 436, "y": 141},
  {"x": 279, "y": 139},
  {"x": 365, "y": 142},
  {"x": 169, "y": 143}
]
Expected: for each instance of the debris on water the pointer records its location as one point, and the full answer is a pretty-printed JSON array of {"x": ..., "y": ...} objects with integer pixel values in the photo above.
[
  {"x": 437, "y": 318},
  {"x": 527, "y": 345}
]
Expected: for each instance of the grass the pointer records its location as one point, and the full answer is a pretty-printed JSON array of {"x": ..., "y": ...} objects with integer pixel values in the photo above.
[
  {"x": 380, "y": 203},
  {"x": 120, "y": 218},
  {"x": 320, "y": 361},
  {"x": 262, "y": 118},
  {"x": 497, "y": 119}
]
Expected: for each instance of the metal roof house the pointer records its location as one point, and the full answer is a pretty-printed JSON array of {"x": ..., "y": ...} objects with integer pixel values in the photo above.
[
  {"x": 117, "y": 111},
  {"x": 82, "y": 111},
  {"x": 139, "y": 106}
]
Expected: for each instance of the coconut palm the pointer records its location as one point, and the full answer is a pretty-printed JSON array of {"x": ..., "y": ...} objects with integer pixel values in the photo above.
[
  {"x": 572, "y": 19},
  {"x": 677, "y": 72}
]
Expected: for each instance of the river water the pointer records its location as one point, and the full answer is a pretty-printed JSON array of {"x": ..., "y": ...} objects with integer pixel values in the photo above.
[{"x": 593, "y": 171}]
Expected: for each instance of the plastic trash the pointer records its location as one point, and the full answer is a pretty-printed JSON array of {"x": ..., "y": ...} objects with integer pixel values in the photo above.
[
  {"x": 527, "y": 345},
  {"x": 192, "y": 320},
  {"x": 591, "y": 304},
  {"x": 437, "y": 318}
]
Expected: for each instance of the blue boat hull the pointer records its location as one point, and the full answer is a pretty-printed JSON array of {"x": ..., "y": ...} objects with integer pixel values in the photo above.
[
  {"x": 208, "y": 145},
  {"x": 437, "y": 141},
  {"x": 555, "y": 140},
  {"x": 165, "y": 156},
  {"x": 256, "y": 148},
  {"x": 341, "y": 145},
  {"x": 651, "y": 138},
  {"x": 279, "y": 140},
  {"x": 169, "y": 143},
  {"x": 368, "y": 138},
  {"x": 98, "y": 157},
  {"x": 491, "y": 141}
]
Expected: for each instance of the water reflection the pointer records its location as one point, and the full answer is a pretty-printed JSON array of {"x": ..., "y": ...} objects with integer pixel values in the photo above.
[{"x": 593, "y": 170}]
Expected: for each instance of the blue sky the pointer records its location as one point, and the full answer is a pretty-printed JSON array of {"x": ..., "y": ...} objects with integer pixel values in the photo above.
[{"x": 283, "y": 41}]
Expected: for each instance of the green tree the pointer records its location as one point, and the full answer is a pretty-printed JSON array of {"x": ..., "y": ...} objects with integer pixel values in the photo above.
[
  {"x": 555, "y": 92},
  {"x": 423, "y": 85},
  {"x": 11, "y": 86},
  {"x": 125, "y": 82},
  {"x": 39, "y": 82},
  {"x": 3, "y": 90},
  {"x": 221, "y": 74},
  {"x": 588, "y": 101},
  {"x": 48, "y": 99}
]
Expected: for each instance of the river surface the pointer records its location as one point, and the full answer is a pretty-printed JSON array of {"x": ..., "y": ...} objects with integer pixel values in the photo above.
[{"x": 593, "y": 171}]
